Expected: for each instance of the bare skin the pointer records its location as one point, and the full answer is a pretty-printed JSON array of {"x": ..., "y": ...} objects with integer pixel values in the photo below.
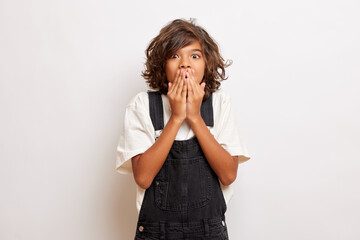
[{"x": 185, "y": 71}]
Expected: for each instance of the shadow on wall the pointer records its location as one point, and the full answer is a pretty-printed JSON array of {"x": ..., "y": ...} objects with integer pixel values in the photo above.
[{"x": 125, "y": 213}]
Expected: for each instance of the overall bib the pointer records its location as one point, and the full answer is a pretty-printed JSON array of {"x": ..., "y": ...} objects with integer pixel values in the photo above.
[{"x": 185, "y": 200}]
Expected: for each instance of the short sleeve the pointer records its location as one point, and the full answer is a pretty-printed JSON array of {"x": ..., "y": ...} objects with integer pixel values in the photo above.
[
  {"x": 137, "y": 134},
  {"x": 228, "y": 134}
]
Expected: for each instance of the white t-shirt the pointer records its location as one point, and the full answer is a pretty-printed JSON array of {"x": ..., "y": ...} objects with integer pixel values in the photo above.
[{"x": 139, "y": 134}]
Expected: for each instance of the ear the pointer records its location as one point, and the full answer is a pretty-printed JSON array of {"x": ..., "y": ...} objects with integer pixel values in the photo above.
[{"x": 202, "y": 85}]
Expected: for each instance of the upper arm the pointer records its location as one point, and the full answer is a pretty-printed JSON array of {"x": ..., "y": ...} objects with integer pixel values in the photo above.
[
  {"x": 236, "y": 162},
  {"x": 134, "y": 161}
]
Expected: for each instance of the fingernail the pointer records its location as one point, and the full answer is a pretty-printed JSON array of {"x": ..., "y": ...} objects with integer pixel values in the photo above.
[{"x": 178, "y": 71}]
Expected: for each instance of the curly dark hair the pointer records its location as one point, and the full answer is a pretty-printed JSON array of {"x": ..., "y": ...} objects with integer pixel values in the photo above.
[{"x": 175, "y": 35}]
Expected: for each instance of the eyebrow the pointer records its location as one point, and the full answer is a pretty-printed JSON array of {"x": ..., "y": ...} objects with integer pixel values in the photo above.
[{"x": 194, "y": 50}]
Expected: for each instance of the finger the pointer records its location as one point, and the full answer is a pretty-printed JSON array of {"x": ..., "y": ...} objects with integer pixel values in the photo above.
[
  {"x": 184, "y": 90},
  {"x": 197, "y": 86},
  {"x": 190, "y": 87},
  {"x": 180, "y": 87},
  {"x": 171, "y": 84},
  {"x": 201, "y": 86},
  {"x": 176, "y": 84}
]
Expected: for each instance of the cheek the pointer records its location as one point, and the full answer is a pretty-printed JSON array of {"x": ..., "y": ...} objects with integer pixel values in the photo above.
[
  {"x": 168, "y": 77},
  {"x": 201, "y": 72},
  {"x": 202, "y": 66},
  {"x": 170, "y": 72}
]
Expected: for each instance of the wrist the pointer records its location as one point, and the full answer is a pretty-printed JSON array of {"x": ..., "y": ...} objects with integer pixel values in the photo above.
[
  {"x": 195, "y": 119},
  {"x": 176, "y": 120}
]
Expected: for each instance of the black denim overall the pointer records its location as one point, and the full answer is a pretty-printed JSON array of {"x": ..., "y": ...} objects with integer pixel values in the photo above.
[{"x": 185, "y": 200}]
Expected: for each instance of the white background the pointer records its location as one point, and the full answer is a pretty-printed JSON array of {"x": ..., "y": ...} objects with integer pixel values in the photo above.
[{"x": 68, "y": 69}]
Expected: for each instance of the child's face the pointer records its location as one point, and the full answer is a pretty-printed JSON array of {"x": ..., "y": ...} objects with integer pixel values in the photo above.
[{"x": 191, "y": 57}]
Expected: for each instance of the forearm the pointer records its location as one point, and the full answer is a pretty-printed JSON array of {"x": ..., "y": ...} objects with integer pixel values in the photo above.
[
  {"x": 147, "y": 165},
  {"x": 223, "y": 164}
]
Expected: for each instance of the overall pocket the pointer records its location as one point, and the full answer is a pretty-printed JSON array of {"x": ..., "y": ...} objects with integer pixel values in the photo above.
[{"x": 183, "y": 184}]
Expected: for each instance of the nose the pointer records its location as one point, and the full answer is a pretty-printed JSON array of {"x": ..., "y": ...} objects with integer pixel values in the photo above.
[{"x": 184, "y": 64}]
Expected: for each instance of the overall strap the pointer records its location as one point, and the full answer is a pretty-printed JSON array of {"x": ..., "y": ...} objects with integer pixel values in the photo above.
[
  {"x": 157, "y": 114},
  {"x": 206, "y": 111},
  {"x": 156, "y": 110}
]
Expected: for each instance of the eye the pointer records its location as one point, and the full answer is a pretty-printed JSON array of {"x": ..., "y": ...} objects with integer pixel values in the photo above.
[
  {"x": 175, "y": 56},
  {"x": 195, "y": 56}
]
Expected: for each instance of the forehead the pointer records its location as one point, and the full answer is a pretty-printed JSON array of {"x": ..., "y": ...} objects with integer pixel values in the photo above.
[{"x": 194, "y": 46}]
